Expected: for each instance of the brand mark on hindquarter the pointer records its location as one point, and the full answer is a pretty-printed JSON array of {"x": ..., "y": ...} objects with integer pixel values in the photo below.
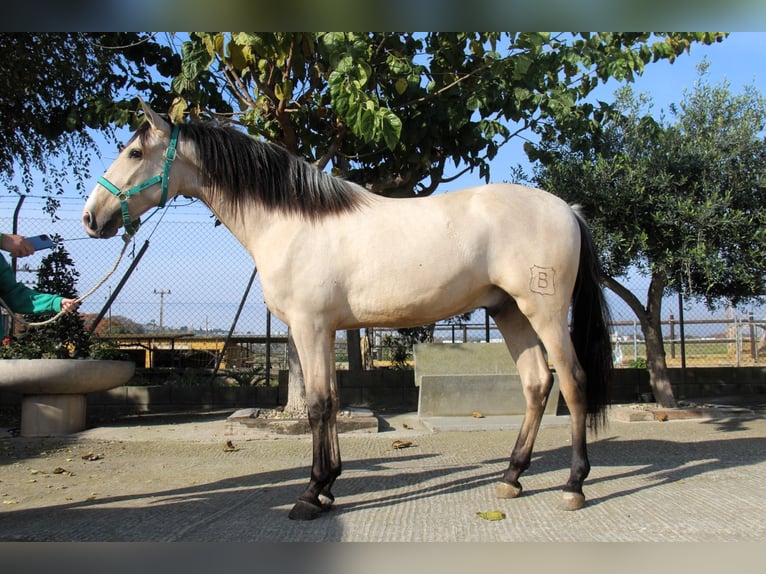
[{"x": 542, "y": 280}]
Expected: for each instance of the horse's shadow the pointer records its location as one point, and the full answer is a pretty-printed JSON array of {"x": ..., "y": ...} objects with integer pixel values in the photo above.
[{"x": 656, "y": 462}]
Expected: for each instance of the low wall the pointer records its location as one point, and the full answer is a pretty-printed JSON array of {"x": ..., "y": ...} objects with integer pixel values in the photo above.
[
  {"x": 631, "y": 385},
  {"x": 463, "y": 378},
  {"x": 377, "y": 389},
  {"x": 463, "y": 395},
  {"x": 395, "y": 390},
  {"x": 462, "y": 359},
  {"x": 162, "y": 398}
]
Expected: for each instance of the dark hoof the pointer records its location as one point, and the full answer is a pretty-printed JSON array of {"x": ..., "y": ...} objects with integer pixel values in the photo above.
[{"x": 305, "y": 511}]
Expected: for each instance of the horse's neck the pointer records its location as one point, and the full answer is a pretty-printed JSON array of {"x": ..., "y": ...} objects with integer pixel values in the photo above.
[{"x": 247, "y": 224}]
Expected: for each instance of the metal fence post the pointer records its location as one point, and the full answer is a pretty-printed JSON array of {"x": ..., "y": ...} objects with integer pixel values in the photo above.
[
  {"x": 672, "y": 323},
  {"x": 737, "y": 341},
  {"x": 681, "y": 328}
]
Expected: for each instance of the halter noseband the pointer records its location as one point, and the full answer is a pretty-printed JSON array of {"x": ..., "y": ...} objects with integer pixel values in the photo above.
[{"x": 170, "y": 154}]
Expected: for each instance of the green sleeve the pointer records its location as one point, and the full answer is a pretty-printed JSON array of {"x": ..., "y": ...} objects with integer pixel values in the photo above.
[{"x": 22, "y": 299}]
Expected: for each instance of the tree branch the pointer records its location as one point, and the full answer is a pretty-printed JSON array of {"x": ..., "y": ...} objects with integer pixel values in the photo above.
[
  {"x": 626, "y": 295},
  {"x": 332, "y": 150}
]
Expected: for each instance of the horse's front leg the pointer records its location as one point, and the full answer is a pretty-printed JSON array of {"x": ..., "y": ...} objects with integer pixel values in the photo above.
[{"x": 315, "y": 352}]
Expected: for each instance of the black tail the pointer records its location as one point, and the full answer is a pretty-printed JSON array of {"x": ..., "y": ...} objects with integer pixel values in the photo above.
[{"x": 590, "y": 328}]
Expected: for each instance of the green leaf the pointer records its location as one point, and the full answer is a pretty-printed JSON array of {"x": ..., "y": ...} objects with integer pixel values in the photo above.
[
  {"x": 391, "y": 126},
  {"x": 491, "y": 515},
  {"x": 196, "y": 59}
]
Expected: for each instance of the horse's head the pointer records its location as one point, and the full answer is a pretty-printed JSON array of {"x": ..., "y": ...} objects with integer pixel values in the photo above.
[{"x": 138, "y": 180}]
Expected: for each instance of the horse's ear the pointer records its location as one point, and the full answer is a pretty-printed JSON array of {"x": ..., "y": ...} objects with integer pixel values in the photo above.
[{"x": 153, "y": 117}]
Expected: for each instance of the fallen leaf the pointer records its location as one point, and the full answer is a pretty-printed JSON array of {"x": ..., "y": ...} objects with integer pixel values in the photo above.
[
  {"x": 401, "y": 444},
  {"x": 477, "y": 415},
  {"x": 9, "y": 502},
  {"x": 491, "y": 515},
  {"x": 408, "y": 427},
  {"x": 230, "y": 447}
]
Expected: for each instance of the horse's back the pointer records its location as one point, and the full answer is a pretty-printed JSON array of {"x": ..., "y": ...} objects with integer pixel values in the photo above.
[{"x": 530, "y": 221}]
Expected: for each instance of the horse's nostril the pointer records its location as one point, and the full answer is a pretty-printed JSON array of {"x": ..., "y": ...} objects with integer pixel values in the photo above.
[{"x": 87, "y": 220}]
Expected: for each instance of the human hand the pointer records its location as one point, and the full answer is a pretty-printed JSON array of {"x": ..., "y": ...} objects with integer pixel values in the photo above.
[
  {"x": 69, "y": 305},
  {"x": 16, "y": 245}
]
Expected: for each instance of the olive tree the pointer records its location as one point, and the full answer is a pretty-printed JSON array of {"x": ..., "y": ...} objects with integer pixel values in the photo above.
[{"x": 681, "y": 198}]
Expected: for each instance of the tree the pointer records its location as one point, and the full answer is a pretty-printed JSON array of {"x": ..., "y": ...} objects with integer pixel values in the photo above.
[
  {"x": 113, "y": 325},
  {"x": 403, "y": 114},
  {"x": 59, "y": 89},
  {"x": 67, "y": 336},
  {"x": 682, "y": 199}
]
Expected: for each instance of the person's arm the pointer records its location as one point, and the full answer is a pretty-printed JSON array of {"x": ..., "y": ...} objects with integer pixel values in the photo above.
[{"x": 22, "y": 299}]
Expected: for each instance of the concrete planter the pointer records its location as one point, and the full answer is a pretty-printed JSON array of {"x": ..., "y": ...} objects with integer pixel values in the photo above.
[{"x": 53, "y": 390}]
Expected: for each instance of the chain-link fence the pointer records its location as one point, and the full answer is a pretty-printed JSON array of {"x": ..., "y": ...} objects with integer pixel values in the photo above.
[{"x": 190, "y": 282}]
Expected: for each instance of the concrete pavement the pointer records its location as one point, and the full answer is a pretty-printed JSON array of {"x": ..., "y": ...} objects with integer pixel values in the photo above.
[{"x": 154, "y": 479}]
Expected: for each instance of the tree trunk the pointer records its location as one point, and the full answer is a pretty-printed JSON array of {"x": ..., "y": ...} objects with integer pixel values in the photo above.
[
  {"x": 296, "y": 389},
  {"x": 651, "y": 326},
  {"x": 656, "y": 363},
  {"x": 367, "y": 359},
  {"x": 354, "y": 348}
]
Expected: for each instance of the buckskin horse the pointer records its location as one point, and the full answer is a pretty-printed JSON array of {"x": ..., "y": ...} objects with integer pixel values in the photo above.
[{"x": 332, "y": 255}]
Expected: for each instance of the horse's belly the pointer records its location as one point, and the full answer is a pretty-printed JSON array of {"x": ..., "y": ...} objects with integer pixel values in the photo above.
[{"x": 405, "y": 306}]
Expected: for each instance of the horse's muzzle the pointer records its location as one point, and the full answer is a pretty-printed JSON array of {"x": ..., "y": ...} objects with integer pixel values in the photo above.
[{"x": 100, "y": 230}]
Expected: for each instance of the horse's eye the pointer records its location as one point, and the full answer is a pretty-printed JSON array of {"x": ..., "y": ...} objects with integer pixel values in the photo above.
[{"x": 134, "y": 154}]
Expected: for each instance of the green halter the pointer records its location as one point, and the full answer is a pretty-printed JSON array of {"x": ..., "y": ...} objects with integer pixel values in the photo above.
[{"x": 170, "y": 154}]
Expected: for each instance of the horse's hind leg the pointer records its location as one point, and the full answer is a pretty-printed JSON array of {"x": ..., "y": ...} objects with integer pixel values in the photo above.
[
  {"x": 536, "y": 380},
  {"x": 557, "y": 340}
]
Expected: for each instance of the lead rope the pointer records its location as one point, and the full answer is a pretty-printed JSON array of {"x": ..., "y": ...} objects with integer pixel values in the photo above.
[{"x": 126, "y": 239}]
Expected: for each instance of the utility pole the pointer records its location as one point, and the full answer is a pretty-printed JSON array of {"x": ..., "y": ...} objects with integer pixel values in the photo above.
[
  {"x": 109, "y": 328},
  {"x": 162, "y": 294}
]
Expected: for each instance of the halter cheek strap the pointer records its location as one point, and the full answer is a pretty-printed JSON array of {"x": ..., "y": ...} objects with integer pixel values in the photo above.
[{"x": 170, "y": 154}]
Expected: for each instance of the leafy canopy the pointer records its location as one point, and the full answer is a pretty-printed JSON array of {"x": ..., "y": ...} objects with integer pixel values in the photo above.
[
  {"x": 403, "y": 113},
  {"x": 61, "y": 88}
]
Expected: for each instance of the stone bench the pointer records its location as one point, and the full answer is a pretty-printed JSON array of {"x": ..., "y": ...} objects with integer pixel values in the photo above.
[{"x": 463, "y": 378}]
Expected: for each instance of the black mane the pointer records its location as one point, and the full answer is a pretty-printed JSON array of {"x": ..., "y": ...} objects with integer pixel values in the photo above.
[{"x": 243, "y": 169}]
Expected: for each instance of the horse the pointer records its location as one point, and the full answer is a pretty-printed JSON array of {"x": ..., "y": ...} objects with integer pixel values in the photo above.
[{"x": 332, "y": 255}]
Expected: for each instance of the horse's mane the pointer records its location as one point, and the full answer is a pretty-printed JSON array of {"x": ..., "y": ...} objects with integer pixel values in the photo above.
[{"x": 241, "y": 169}]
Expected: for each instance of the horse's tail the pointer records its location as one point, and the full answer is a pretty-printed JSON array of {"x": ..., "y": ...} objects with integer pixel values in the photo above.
[{"x": 590, "y": 328}]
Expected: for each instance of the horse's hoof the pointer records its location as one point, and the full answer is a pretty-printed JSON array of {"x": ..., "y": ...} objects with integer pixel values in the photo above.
[
  {"x": 572, "y": 501},
  {"x": 505, "y": 490},
  {"x": 304, "y": 511}
]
